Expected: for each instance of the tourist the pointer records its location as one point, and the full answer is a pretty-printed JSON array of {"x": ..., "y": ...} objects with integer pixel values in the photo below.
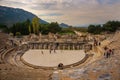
[
  {"x": 50, "y": 51},
  {"x": 12, "y": 43},
  {"x": 42, "y": 52},
  {"x": 113, "y": 50},
  {"x": 85, "y": 51},
  {"x": 54, "y": 51},
  {"x": 99, "y": 43},
  {"x": 20, "y": 41},
  {"x": 105, "y": 54},
  {"x": 60, "y": 65},
  {"x": 108, "y": 53},
  {"x": 5, "y": 47},
  {"x": 105, "y": 48},
  {"x": 57, "y": 44},
  {"x": 95, "y": 42},
  {"x": 91, "y": 47}
]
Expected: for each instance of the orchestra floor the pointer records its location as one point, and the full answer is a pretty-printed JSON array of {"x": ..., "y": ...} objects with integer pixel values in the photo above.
[{"x": 53, "y": 58}]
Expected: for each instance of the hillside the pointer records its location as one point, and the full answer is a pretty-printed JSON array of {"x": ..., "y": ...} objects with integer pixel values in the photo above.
[
  {"x": 10, "y": 15},
  {"x": 63, "y": 25}
]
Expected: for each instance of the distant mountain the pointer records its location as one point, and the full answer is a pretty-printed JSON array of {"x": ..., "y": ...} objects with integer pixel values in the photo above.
[
  {"x": 9, "y": 15},
  {"x": 63, "y": 25}
]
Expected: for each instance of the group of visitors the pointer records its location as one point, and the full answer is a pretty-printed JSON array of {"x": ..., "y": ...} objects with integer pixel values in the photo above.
[
  {"x": 51, "y": 49},
  {"x": 54, "y": 47},
  {"x": 96, "y": 42},
  {"x": 60, "y": 65},
  {"x": 42, "y": 52},
  {"x": 108, "y": 52}
]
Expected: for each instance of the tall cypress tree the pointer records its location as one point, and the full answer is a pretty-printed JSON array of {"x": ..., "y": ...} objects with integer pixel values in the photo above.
[{"x": 35, "y": 25}]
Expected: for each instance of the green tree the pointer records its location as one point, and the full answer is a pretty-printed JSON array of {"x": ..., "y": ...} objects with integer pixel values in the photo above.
[
  {"x": 91, "y": 28},
  {"x": 28, "y": 25},
  {"x": 67, "y": 31},
  {"x": 18, "y": 34},
  {"x": 11, "y": 34},
  {"x": 111, "y": 26},
  {"x": 51, "y": 27},
  {"x": 35, "y": 25},
  {"x": 22, "y": 27},
  {"x": 44, "y": 28},
  {"x": 54, "y": 27},
  {"x": 95, "y": 29},
  {"x": 29, "y": 29},
  {"x": 4, "y": 28}
]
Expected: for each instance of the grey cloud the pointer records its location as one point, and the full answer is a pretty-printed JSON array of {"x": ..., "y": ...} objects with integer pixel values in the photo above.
[
  {"x": 1, "y": 0},
  {"x": 109, "y": 2},
  {"x": 42, "y": 6},
  {"x": 8, "y": 2},
  {"x": 52, "y": 14},
  {"x": 55, "y": 5}
]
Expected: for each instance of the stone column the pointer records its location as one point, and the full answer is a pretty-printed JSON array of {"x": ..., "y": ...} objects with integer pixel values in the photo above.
[
  {"x": 35, "y": 46},
  {"x": 80, "y": 47},
  {"x": 63, "y": 47},
  {"x": 49, "y": 46},
  {"x": 29, "y": 46},
  {"x": 84, "y": 46},
  {"x": 32, "y": 46},
  {"x": 44, "y": 46},
  {"x": 77, "y": 47},
  {"x": 68, "y": 47},
  {"x": 73, "y": 46},
  {"x": 40, "y": 46},
  {"x": 58, "y": 47}
]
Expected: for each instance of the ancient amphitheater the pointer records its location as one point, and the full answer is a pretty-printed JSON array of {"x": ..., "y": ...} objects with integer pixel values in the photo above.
[{"x": 37, "y": 58}]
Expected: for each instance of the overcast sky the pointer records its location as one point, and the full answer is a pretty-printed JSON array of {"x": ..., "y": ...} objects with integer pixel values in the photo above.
[{"x": 72, "y": 12}]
